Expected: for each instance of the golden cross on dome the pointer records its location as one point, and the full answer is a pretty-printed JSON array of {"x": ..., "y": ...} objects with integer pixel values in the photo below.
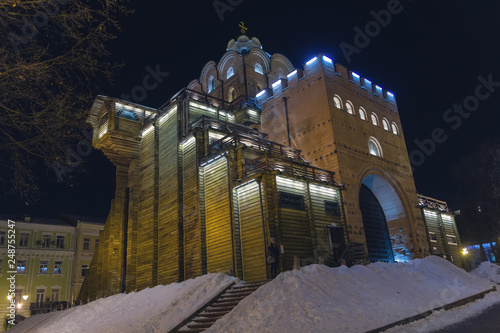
[{"x": 243, "y": 28}]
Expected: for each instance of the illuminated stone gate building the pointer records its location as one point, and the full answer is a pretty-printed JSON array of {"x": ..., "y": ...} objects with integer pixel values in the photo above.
[{"x": 253, "y": 149}]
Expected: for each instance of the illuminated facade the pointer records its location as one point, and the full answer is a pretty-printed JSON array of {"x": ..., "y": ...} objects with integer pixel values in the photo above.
[{"x": 245, "y": 153}]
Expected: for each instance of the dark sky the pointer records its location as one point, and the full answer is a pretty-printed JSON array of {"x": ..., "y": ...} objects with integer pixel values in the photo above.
[{"x": 430, "y": 54}]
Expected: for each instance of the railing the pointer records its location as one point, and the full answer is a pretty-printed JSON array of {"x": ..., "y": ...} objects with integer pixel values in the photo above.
[
  {"x": 267, "y": 163},
  {"x": 432, "y": 203}
]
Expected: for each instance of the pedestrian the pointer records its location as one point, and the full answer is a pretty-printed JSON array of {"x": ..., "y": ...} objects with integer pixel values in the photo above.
[{"x": 273, "y": 257}]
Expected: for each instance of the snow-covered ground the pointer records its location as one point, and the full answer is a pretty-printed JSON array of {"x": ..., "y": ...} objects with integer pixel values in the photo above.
[
  {"x": 358, "y": 299},
  {"x": 314, "y": 299},
  {"x": 488, "y": 271},
  {"x": 157, "y": 309}
]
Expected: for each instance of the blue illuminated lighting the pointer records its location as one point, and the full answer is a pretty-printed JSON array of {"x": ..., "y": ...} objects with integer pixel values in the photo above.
[
  {"x": 325, "y": 58},
  {"x": 292, "y": 74},
  {"x": 276, "y": 84},
  {"x": 311, "y": 61},
  {"x": 390, "y": 95},
  {"x": 260, "y": 94},
  {"x": 355, "y": 75},
  {"x": 379, "y": 88},
  {"x": 368, "y": 81}
]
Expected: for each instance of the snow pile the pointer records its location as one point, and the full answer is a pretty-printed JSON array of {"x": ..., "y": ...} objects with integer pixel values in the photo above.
[
  {"x": 488, "y": 271},
  {"x": 318, "y": 298},
  {"x": 157, "y": 309}
]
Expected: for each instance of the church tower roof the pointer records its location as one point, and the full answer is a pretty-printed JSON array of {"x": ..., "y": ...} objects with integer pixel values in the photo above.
[{"x": 243, "y": 44}]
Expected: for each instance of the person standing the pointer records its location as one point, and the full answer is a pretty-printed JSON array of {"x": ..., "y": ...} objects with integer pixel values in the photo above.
[{"x": 273, "y": 257}]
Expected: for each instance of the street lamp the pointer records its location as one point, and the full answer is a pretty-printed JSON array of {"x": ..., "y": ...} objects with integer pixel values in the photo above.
[
  {"x": 465, "y": 252},
  {"x": 25, "y": 297}
]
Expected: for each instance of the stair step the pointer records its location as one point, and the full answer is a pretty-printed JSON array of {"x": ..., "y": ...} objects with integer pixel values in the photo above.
[
  {"x": 205, "y": 319},
  {"x": 198, "y": 325},
  {"x": 213, "y": 314},
  {"x": 191, "y": 330},
  {"x": 220, "y": 308}
]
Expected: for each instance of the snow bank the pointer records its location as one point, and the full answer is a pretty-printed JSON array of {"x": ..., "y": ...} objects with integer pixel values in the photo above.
[
  {"x": 157, "y": 309},
  {"x": 488, "y": 271},
  {"x": 322, "y": 299}
]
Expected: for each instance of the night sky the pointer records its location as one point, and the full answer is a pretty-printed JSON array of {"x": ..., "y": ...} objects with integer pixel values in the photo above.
[{"x": 430, "y": 54}]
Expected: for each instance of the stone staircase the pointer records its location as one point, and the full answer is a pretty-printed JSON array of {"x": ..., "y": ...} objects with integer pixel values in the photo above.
[{"x": 220, "y": 307}]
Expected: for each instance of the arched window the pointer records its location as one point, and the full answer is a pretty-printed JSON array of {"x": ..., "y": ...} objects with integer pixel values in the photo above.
[
  {"x": 349, "y": 108},
  {"x": 362, "y": 113},
  {"x": 211, "y": 84},
  {"x": 258, "y": 68},
  {"x": 232, "y": 94},
  {"x": 385, "y": 123},
  {"x": 337, "y": 102},
  {"x": 374, "y": 119},
  {"x": 230, "y": 73},
  {"x": 395, "y": 128},
  {"x": 374, "y": 147}
]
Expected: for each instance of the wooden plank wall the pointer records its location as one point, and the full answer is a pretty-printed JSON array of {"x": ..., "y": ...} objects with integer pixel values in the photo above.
[
  {"x": 433, "y": 221},
  {"x": 450, "y": 228},
  {"x": 132, "y": 244},
  {"x": 219, "y": 240},
  {"x": 146, "y": 218},
  {"x": 191, "y": 221},
  {"x": 168, "y": 206},
  {"x": 319, "y": 194},
  {"x": 295, "y": 225},
  {"x": 253, "y": 241}
]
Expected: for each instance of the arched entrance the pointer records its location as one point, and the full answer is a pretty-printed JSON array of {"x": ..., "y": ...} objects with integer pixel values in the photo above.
[{"x": 384, "y": 220}]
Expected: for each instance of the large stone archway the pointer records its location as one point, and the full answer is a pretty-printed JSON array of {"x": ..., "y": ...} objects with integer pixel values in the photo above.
[{"x": 385, "y": 220}]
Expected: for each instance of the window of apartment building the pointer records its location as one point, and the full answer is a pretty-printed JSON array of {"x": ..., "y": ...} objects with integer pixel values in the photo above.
[
  {"x": 40, "y": 295},
  {"x": 451, "y": 239},
  {"x": 58, "y": 267},
  {"x": 44, "y": 266},
  {"x": 46, "y": 240},
  {"x": 96, "y": 243},
  {"x": 55, "y": 295},
  {"x": 18, "y": 295},
  {"x": 60, "y": 242},
  {"x": 2, "y": 237},
  {"x": 86, "y": 243},
  {"x": 433, "y": 237},
  {"x": 24, "y": 238},
  {"x": 21, "y": 266},
  {"x": 84, "y": 269}
]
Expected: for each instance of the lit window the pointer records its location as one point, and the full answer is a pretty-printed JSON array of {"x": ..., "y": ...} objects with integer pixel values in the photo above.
[
  {"x": 58, "y": 267},
  {"x": 349, "y": 108},
  {"x": 451, "y": 239},
  {"x": 337, "y": 102},
  {"x": 374, "y": 147},
  {"x": 362, "y": 113},
  {"x": 258, "y": 68},
  {"x": 232, "y": 94},
  {"x": 46, "y": 240},
  {"x": 395, "y": 129},
  {"x": 55, "y": 295},
  {"x": 385, "y": 122},
  {"x": 44, "y": 264},
  {"x": 433, "y": 237},
  {"x": 230, "y": 73},
  {"x": 374, "y": 119},
  {"x": 211, "y": 84},
  {"x": 84, "y": 269},
  {"x": 21, "y": 266},
  {"x": 23, "y": 238},
  {"x": 2, "y": 237},
  {"x": 86, "y": 243},
  {"x": 60, "y": 242}
]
